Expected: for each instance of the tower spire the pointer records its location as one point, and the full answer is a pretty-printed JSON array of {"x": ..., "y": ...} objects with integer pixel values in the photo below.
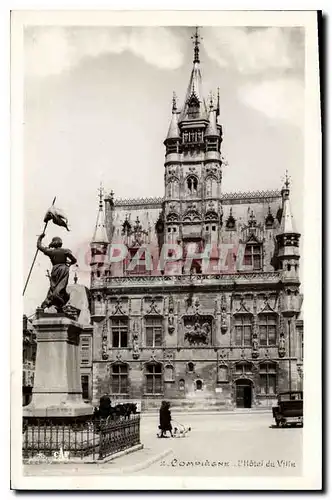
[
  {"x": 196, "y": 41},
  {"x": 100, "y": 235}
]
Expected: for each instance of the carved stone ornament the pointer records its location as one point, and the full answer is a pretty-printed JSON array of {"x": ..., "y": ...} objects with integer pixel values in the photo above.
[
  {"x": 104, "y": 350},
  {"x": 223, "y": 326},
  {"x": 282, "y": 346},
  {"x": 171, "y": 319},
  {"x": 255, "y": 352},
  {"x": 153, "y": 308},
  {"x": 104, "y": 341},
  {"x": 71, "y": 311},
  {"x": 136, "y": 352},
  {"x": 199, "y": 332}
]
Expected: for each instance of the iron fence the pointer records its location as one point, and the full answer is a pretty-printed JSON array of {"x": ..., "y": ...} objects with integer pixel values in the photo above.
[{"x": 94, "y": 440}]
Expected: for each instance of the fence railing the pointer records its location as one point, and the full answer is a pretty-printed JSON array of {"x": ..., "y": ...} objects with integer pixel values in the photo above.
[{"x": 94, "y": 440}]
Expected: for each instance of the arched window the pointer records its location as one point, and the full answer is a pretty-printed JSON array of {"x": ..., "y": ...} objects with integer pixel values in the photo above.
[
  {"x": 199, "y": 385},
  {"x": 153, "y": 373},
  {"x": 211, "y": 187},
  {"x": 243, "y": 329},
  {"x": 267, "y": 329},
  {"x": 268, "y": 378},
  {"x": 192, "y": 184},
  {"x": 190, "y": 366},
  {"x": 119, "y": 378},
  {"x": 169, "y": 373},
  {"x": 253, "y": 256}
]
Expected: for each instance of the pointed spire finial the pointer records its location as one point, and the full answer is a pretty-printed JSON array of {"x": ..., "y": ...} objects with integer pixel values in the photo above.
[
  {"x": 196, "y": 41},
  {"x": 174, "y": 108},
  {"x": 211, "y": 100},
  {"x": 287, "y": 180},
  {"x": 218, "y": 103},
  {"x": 101, "y": 195}
]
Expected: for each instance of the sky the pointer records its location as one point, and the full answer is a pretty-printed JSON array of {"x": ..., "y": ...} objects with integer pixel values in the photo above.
[{"x": 97, "y": 106}]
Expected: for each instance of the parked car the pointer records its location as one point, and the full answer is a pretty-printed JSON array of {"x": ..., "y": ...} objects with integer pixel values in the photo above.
[{"x": 289, "y": 408}]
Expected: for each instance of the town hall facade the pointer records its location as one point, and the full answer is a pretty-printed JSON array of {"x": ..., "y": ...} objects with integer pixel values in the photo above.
[{"x": 204, "y": 308}]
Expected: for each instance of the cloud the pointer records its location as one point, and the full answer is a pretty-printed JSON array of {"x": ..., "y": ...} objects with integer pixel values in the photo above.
[
  {"x": 255, "y": 50},
  {"x": 50, "y": 51},
  {"x": 281, "y": 99}
]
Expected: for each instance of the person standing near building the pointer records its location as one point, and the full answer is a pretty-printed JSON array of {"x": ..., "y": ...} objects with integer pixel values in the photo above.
[{"x": 165, "y": 419}]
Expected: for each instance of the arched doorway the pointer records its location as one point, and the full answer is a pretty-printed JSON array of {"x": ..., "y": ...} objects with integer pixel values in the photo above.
[{"x": 243, "y": 393}]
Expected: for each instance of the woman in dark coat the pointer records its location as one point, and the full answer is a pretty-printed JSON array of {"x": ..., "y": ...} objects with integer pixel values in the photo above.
[{"x": 165, "y": 419}]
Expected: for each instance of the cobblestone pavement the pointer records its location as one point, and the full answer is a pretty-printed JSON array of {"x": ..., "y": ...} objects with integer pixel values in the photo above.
[{"x": 218, "y": 445}]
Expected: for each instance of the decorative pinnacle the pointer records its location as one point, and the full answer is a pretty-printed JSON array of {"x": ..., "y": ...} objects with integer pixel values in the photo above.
[
  {"x": 101, "y": 195},
  {"x": 211, "y": 100},
  {"x": 196, "y": 41},
  {"x": 287, "y": 180},
  {"x": 218, "y": 103},
  {"x": 174, "y": 108}
]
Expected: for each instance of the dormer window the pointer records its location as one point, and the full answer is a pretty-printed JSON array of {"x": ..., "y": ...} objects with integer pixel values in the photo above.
[
  {"x": 269, "y": 221},
  {"x": 253, "y": 256},
  {"x": 193, "y": 107},
  {"x": 230, "y": 223}
]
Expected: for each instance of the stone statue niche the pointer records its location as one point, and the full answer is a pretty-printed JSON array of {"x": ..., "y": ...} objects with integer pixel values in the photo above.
[{"x": 198, "y": 330}]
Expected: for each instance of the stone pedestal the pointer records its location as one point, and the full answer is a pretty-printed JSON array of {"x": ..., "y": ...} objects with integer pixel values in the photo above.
[{"x": 57, "y": 391}]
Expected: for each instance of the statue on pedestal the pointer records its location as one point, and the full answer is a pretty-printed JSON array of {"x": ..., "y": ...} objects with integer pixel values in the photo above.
[{"x": 62, "y": 259}]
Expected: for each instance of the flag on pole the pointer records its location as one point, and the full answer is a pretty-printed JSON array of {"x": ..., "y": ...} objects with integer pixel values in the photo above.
[{"x": 57, "y": 217}]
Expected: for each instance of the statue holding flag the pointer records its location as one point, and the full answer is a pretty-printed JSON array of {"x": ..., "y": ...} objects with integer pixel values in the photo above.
[{"x": 61, "y": 259}]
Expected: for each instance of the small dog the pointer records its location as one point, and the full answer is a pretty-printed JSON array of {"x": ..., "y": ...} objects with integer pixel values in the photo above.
[{"x": 181, "y": 432}]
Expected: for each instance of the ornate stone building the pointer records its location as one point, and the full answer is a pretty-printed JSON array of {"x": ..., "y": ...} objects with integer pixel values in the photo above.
[{"x": 203, "y": 308}]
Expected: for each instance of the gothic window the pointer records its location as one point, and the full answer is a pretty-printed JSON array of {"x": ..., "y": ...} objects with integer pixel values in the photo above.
[
  {"x": 85, "y": 386},
  {"x": 244, "y": 369},
  {"x": 199, "y": 385},
  {"x": 153, "y": 332},
  {"x": 268, "y": 378},
  {"x": 267, "y": 329},
  {"x": 243, "y": 329},
  {"x": 210, "y": 187},
  {"x": 222, "y": 373},
  {"x": 119, "y": 327},
  {"x": 153, "y": 373},
  {"x": 119, "y": 379},
  {"x": 253, "y": 255},
  {"x": 190, "y": 366},
  {"x": 192, "y": 184},
  {"x": 169, "y": 373},
  {"x": 85, "y": 350}
]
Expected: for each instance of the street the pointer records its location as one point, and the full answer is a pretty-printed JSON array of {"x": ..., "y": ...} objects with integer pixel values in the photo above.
[{"x": 218, "y": 445}]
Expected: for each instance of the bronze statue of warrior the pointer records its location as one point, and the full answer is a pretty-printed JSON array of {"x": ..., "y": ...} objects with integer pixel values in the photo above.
[{"x": 61, "y": 259}]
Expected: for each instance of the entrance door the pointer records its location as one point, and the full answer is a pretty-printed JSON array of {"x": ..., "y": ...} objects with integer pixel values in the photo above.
[{"x": 243, "y": 393}]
